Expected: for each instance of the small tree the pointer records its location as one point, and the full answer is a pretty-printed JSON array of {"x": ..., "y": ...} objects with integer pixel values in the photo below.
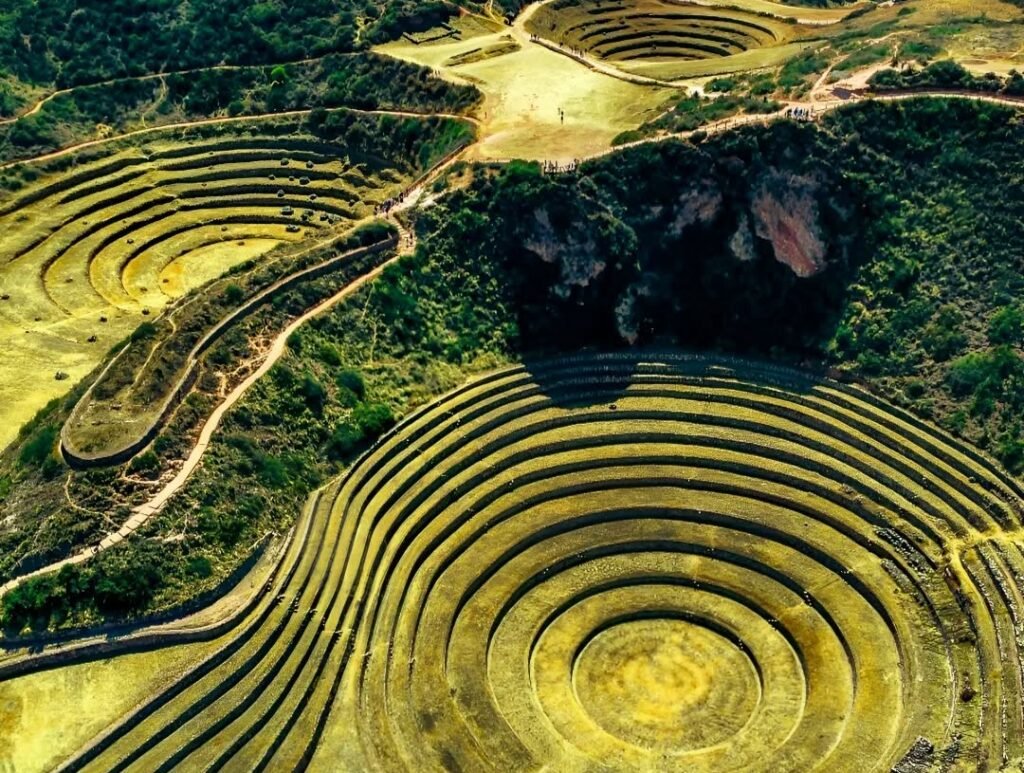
[
  {"x": 233, "y": 294},
  {"x": 1007, "y": 326},
  {"x": 353, "y": 381},
  {"x": 373, "y": 418}
]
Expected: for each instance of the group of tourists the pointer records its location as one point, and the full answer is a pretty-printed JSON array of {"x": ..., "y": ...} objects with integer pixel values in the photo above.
[
  {"x": 387, "y": 205},
  {"x": 800, "y": 113},
  {"x": 554, "y": 166},
  {"x": 573, "y": 50}
]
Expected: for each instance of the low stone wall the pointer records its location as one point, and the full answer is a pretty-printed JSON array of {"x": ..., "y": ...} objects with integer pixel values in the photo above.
[
  {"x": 119, "y": 637},
  {"x": 80, "y": 460}
]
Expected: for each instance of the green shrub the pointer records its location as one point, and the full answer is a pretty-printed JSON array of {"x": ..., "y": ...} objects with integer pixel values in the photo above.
[
  {"x": 984, "y": 372},
  {"x": 199, "y": 567},
  {"x": 32, "y": 604},
  {"x": 221, "y": 528},
  {"x": 721, "y": 85},
  {"x": 272, "y": 472},
  {"x": 376, "y": 231},
  {"x": 798, "y": 68},
  {"x": 944, "y": 336},
  {"x": 1007, "y": 326},
  {"x": 915, "y": 389},
  {"x": 329, "y": 355},
  {"x": 144, "y": 331},
  {"x": 233, "y": 294},
  {"x": 968, "y": 373},
  {"x": 345, "y": 439},
  {"x": 626, "y": 137},
  {"x": 353, "y": 381},
  {"x": 144, "y": 462},
  {"x": 125, "y": 581},
  {"x": 41, "y": 448},
  {"x": 373, "y": 418},
  {"x": 313, "y": 393}
]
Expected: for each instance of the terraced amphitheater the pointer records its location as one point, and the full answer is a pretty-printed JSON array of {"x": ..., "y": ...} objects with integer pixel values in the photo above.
[
  {"x": 625, "y": 561},
  {"x": 90, "y": 253},
  {"x": 132, "y": 231},
  {"x": 660, "y": 33}
]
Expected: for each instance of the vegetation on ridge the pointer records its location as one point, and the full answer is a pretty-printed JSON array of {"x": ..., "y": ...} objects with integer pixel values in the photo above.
[{"x": 520, "y": 260}]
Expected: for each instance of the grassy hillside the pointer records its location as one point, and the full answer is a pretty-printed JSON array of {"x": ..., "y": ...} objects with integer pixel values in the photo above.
[
  {"x": 74, "y": 42},
  {"x": 870, "y": 244},
  {"x": 360, "y": 80}
]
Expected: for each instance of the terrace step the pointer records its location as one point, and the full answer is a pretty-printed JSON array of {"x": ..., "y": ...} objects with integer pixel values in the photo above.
[{"x": 454, "y": 591}]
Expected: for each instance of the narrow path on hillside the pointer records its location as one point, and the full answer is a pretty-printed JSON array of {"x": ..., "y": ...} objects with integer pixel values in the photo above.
[
  {"x": 406, "y": 245},
  {"x": 38, "y": 105},
  {"x": 409, "y": 199},
  {"x": 814, "y": 111},
  {"x": 225, "y": 120}
]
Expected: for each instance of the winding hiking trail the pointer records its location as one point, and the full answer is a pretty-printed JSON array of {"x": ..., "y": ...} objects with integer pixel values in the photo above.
[
  {"x": 225, "y": 120},
  {"x": 406, "y": 245},
  {"x": 815, "y": 106},
  {"x": 814, "y": 111},
  {"x": 41, "y": 103}
]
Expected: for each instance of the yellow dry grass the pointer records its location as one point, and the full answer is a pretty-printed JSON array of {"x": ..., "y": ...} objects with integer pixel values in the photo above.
[
  {"x": 34, "y": 354},
  {"x": 524, "y": 92},
  {"x": 88, "y": 254},
  {"x": 46, "y": 717},
  {"x": 803, "y": 14},
  {"x": 204, "y": 264},
  {"x": 984, "y": 36}
]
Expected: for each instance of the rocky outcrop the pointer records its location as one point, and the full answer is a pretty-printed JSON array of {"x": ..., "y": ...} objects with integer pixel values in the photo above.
[
  {"x": 741, "y": 244},
  {"x": 698, "y": 205},
  {"x": 734, "y": 252},
  {"x": 628, "y": 308},
  {"x": 785, "y": 213},
  {"x": 575, "y": 252}
]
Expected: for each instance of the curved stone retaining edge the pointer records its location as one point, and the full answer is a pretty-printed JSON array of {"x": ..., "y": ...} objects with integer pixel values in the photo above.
[
  {"x": 124, "y": 638},
  {"x": 941, "y": 92},
  {"x": 81, "y": 460},
  {"x": 121, "y": 638}
]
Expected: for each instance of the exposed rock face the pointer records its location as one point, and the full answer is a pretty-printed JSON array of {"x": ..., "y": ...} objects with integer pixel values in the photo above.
[
  {"x": 712, "y": 258},
  {"x": 741, "y": 244},
  {"x": 700, "y": 204},
  {"x": 785, "y": 213},
  {"x": 627, "y": 310},
  {"x": 626, "y": 322},
  {"x": 575, "y": 252}
]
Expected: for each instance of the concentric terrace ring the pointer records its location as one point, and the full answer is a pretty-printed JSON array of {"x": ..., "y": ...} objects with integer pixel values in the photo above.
[{"x": 625, "y": 562}]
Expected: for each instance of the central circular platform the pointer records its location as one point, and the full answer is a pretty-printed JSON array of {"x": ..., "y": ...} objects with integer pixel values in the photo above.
[{"x": 666, "y": 683}]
